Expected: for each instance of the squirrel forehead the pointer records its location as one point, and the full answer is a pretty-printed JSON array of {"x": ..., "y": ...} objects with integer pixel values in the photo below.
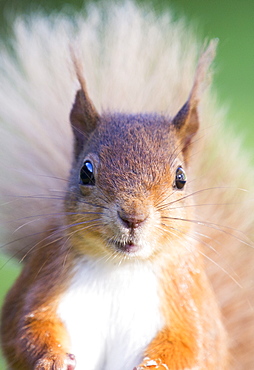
[
  {"x": 134, "y": 150},
  {"x": 145, "y": 135}
]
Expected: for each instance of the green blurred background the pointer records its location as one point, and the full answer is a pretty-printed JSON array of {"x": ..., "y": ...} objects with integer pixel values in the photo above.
[{"x": 231, "y": 21}]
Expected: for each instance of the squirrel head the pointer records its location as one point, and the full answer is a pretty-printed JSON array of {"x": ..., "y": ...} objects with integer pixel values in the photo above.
[{"x": 129, "y": 188}]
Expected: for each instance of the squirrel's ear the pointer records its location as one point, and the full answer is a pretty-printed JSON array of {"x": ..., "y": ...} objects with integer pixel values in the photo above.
[
  {"x": 186, "y": 121},
  {"x": 84, "y": 116},
  {"x": 84, "y": 119}
]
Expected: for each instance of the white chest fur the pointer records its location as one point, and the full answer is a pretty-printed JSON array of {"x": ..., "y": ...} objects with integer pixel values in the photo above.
[{"x": 111, "y": 313}]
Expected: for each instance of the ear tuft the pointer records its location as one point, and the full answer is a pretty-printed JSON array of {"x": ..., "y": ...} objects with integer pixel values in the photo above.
[
  {"x": 84, "y": 116},
  {"x": 202, "y": 80},
  {"x": 186, "y": 120}
]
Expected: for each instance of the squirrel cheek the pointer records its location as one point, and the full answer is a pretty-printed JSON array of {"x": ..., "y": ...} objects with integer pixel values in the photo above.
[{"x": 176, "y": 220}]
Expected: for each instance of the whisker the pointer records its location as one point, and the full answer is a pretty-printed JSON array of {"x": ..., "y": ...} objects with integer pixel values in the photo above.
[
  {"x": 43, "y": 246},
  {"x": 215, "y": 227},
  {"x": 216, "y": 252},
  {"x": 48, "y": 216},
  {"x": 24, "y": 238},
  {"x": 221, "y": 268},
  {"x": 199, "y": 192},
  {"x": 230, "y": 275},
  {"x": 204, "y": 204},
  {"x": 56, "y": 231},
  {"x": 27, "y": 173}
]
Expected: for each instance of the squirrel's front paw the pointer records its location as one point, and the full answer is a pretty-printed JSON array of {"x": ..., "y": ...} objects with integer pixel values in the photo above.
[
  {"x": 56, "y": 362},
  {"x": 149, "y": 364}
]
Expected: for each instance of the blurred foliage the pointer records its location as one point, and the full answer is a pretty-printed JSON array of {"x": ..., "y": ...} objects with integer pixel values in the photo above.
[
  {"x": 9, "y": 270},
  {"x": 232, "y": 22}
]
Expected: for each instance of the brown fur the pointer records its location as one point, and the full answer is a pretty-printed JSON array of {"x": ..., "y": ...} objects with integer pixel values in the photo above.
[{"x": 31, "y": 312}]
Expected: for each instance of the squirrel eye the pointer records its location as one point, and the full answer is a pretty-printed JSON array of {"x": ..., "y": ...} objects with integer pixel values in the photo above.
[
  {"x": 86, "y": 176},
  {"x": 180, "y": 179}
]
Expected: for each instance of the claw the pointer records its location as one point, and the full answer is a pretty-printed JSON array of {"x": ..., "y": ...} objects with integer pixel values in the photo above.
[
  {"x": 150, "y": 364},
  {"x": 59, "y": 362},
  {"x": 70, "y": 361}
]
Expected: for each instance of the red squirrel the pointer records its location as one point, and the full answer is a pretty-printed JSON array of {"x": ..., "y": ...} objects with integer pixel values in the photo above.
[{"x": 120, "y": 279}]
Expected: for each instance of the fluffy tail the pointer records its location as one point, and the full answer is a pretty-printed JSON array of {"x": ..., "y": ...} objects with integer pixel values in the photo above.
[{"x": 133, "y": 61}]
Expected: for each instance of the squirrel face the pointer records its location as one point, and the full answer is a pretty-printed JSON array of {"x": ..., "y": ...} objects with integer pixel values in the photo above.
[
  {"x": 128, "y": 188},
  {"x": 127, "y": 196}
]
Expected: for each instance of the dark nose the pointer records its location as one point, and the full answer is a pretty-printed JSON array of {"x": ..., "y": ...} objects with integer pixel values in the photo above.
[{"x": 131, "y": 221}]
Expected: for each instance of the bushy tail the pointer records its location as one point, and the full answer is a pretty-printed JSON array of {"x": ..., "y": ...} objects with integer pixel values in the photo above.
[{"x": 133, "y": 61}]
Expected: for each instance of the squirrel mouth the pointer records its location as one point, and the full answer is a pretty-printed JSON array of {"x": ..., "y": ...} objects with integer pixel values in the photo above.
[{"x": 128, "y": 247}]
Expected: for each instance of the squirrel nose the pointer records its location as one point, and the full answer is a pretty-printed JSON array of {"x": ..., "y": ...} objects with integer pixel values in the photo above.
[{"x": 131, "y": 221}]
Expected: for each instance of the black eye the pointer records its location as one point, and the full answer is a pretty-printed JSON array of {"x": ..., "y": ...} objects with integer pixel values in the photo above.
[
  {"x": 180, "y": 179},
  {"x": 87, "y": 174}
]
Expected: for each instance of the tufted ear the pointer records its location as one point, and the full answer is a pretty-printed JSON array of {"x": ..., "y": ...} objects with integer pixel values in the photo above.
[
  {"x": 84, "y": 116},
  {"x": 186, "y": 121}
]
